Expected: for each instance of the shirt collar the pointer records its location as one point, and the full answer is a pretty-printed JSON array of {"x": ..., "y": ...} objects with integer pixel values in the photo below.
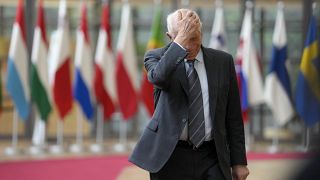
[{"x": 199, "y": 56}]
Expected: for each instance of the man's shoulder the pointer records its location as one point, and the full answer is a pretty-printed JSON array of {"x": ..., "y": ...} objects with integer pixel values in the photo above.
[
  {"x": 159, "y": 50},
  {"x": 217, "y": 53}
]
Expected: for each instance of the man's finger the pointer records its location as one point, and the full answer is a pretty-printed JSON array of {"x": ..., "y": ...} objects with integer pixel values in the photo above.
[
  {"x": 179, "y": 15},
  {"x": 190, "y": 14}
]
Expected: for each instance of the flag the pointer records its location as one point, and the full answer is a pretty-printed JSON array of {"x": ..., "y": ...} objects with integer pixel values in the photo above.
[
  {"x": 218, "y": 35},
  {"x": 248, "y": 69},
  {"x": 104, "y": 84},
  {"x": 278, "y": 89},
  {"x": 156, "y": 41},
  {"x": 39, "y": 67},
  {"x": 59, "y": 71},
  {"x": 83, "y": 67},
  {"x": 308, "y": 83},
  {"x": 126, "y": 67},
  {"x": 17, "y": 78}
]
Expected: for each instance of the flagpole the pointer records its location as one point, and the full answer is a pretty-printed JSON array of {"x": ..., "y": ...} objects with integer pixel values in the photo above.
[
  {"x": 307, "y": 146},
  {"x": 38, "y": 139},
  {"x": 314, "y": 7},
  {"x": 10, "y": 151},
  {"x": 100, "y": 126},
  {"x": 247, "y": 136},
  {"x": 121, "y": 145},
  {"x": 185, "y": 3},
  {"x": 274, "y": 148},
  {"x": 305, "y": 139},
  {"x": 58, "y": 148},
  {"x": 60, "y": 133},
  {"x": 98, "y": 146},
  {"x": 78, "y": 147}
]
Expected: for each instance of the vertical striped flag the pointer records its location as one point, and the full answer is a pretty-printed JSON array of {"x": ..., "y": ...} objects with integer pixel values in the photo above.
[
  {"x": 83, "y": 67},
  {"x": 39, "y": 67},
  {"x": 218, "y": 34},
  {"x": 126, "y": 67},
  {"x": 278, "y": 89},
  {"x": 104, "y": 84},
  {"x": 156, "y": 41},
  {"x": 248, "y": 67},
  {"x": 308, "y": 85},
  {"x": 17, "y": 78},
  {"x": 59, "y": 69},
  {"x": 39, "y": 77}
]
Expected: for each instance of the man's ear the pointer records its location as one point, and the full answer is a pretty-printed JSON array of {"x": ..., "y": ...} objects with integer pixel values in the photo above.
[{"x": 169, "y": 36}]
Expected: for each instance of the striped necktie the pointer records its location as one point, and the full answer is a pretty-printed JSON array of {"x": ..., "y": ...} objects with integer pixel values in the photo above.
[{"x": 196, "y": 124}]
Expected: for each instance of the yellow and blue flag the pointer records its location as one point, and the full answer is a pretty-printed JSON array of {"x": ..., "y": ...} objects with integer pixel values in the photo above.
[{"x": 308, "y": 85}]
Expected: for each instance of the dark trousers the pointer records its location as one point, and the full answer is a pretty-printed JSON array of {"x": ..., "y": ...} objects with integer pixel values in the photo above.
[{"x": 187, "y": 163}]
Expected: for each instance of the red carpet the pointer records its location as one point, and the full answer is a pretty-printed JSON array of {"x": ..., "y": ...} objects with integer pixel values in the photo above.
[{"x": 93, "y": 168}]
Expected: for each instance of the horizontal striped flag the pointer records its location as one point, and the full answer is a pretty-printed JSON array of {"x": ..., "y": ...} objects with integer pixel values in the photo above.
[
  {"x": 83, "y": 67},
  {"x": 18, "y": 76}
]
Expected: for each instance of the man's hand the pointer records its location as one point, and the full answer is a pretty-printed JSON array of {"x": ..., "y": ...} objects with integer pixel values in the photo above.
[
  {"x": 189, "y": 25},
  {"x": 240, "y": 172}
]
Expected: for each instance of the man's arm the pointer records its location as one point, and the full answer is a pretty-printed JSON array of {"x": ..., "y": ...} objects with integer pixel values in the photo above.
[
  {"x": 160, "y": 68},
  {"x": 235, "y": 130}
]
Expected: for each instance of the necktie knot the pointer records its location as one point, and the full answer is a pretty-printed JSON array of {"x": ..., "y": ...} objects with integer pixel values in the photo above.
[{"x": 191, "y": 63}]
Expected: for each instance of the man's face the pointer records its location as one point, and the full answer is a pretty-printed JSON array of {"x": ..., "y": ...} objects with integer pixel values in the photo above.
[
  {"x": 194, "y": 40},
  {"x": 194, "y": 45}
]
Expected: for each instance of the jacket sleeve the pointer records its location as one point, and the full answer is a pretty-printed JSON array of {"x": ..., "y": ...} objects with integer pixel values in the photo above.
[
  {"x": 234, "y": 122},
  {"x": 161, "y": 66}
]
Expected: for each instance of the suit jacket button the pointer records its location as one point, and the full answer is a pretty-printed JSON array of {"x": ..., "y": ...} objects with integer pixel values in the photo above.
[{"x": 184, "y": 120}]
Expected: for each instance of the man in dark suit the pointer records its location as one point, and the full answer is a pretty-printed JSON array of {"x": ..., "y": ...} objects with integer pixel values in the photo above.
[{"x": 196, "y": 131}]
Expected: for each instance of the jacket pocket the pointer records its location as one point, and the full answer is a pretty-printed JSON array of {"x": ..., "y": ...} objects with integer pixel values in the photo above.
[{"x": 153, "y": 125}]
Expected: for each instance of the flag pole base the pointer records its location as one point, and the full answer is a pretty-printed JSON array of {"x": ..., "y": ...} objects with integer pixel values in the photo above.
[
  {"x": 76, "y": 148},
  {"x": 131, "y": 145},
  {"x": 273, "y": 149},
  {"x": 120, "y": 147},
  {"x": 56, "y": 149},
  {"x": 302, "y": 148},
  {"x": 96, "y": 148},
  {"x": 36, "y": 150},
  {"x": 11, "y": 151}
]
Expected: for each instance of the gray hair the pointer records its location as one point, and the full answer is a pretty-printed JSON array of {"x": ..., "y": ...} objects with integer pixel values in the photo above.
[{"x": 172, "y": 20}]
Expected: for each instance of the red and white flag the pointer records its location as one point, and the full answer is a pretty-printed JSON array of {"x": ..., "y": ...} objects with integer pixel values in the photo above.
[
  {"x": 104, "y": 84},
  {"x": 59, "y": 70},
  {"x": 126, "y": 68}
]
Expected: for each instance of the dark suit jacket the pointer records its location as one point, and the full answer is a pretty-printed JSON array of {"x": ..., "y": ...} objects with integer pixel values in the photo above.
[{"x": 166, "y": 71}]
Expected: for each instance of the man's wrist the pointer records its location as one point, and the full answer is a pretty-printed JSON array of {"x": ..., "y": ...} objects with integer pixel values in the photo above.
[{"x": 179, "y": 45}]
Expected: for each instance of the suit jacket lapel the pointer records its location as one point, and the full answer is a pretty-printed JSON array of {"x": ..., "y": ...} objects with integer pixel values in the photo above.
[
  {"x": 213, "y": 81},
  {"x": 182, "y": 76}
]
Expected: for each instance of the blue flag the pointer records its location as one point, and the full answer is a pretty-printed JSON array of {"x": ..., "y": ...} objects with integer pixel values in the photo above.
[{"x": 308, "y": 85}]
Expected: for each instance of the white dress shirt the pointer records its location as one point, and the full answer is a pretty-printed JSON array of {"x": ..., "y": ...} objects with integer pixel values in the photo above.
[{"x": 202, "y": 74}]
